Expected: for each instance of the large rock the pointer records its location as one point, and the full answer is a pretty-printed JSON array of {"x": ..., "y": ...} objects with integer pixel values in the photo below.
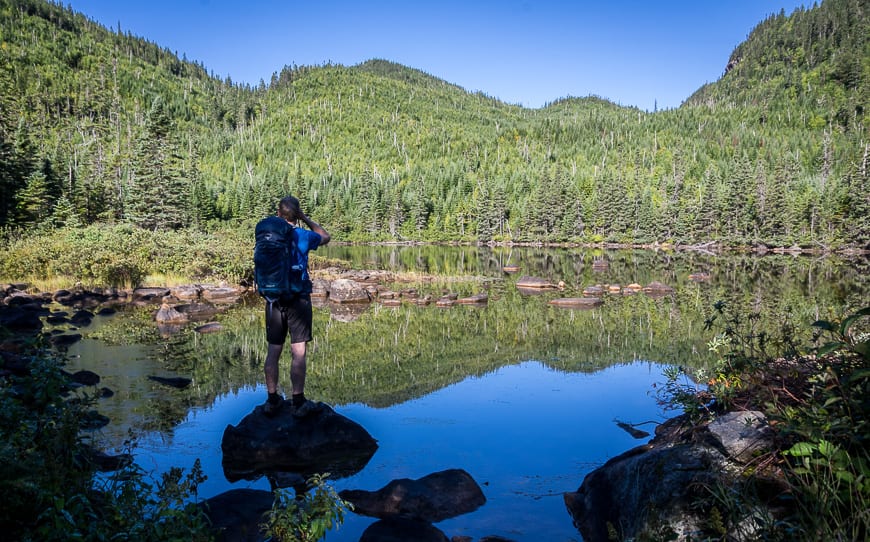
[
  {"x": 323, "y": 441},
  {"x": 236, "y": 515},
  {"x": 169, "y": 315},
  {"x": 402, "y": 530},
  {"x": 661, "y": 487},
  {"x": 348, "y": 291},
  {"x": 435, "y": 497},
  {"x": 149, "y": 294},
  {"x": 743, "y": 435},
  {"x": 222, "y": 294},
  {"x": 18, "y": 319}
]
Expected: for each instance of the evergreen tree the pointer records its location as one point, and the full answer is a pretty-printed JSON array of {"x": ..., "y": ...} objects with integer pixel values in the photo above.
[
  {"x": 34, "y": 204},
  {"x": 157, "y": 197}
]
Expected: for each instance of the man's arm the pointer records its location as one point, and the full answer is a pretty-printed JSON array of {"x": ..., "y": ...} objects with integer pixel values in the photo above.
[{"x": 315, "y": 227}]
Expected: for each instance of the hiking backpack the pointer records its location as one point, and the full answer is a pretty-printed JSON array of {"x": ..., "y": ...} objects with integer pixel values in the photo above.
[{"x": 278, "y": 272}]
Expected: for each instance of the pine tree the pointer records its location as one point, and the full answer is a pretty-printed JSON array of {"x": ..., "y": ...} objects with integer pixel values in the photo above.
[
  {"x": 157, "y": 197},
  {"x": 33, "y": 204}
]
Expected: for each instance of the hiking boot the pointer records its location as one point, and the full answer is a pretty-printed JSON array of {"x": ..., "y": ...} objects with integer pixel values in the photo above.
[
  {"x": 271, "y": 408},
  {"x": 305, "y": 409}
]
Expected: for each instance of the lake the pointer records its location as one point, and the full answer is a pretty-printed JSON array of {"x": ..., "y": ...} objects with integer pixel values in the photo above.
[{"x": 522, "y": 395}]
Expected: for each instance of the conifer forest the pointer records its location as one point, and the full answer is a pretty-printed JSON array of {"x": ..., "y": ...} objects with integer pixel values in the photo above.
[{"x": 101, "y": 127}]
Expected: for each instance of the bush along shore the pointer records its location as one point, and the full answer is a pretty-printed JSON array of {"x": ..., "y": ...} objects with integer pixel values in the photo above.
[{"x": 768, "y": 446}]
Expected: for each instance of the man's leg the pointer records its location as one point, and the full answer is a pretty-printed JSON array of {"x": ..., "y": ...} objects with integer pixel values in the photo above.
[
  {"x": 271, "y": 367},
  {"x": 298, "y": 368}
]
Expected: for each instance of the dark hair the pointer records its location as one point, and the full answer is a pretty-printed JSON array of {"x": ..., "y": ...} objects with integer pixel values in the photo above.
[{"x": 288, "y": 208}]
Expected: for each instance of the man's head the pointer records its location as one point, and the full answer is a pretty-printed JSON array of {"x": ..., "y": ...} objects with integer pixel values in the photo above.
[{"x": 288, "y": 208}]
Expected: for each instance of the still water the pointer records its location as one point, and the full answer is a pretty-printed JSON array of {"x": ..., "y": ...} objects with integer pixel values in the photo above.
[{"x": 523, "y": 396}]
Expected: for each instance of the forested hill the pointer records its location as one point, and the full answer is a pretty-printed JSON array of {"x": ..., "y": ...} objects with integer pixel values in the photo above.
[{"x": 101, "y": 126}]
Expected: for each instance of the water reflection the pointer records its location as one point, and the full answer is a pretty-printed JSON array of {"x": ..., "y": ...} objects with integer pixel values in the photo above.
[{"x": 453, "y": 387}]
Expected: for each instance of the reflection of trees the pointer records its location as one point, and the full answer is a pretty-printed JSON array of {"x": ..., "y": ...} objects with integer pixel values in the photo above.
[{"x": 390, "y": 355}]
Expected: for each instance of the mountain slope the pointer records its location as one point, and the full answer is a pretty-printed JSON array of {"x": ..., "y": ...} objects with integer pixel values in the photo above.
[{"x": 772, "y": 153}]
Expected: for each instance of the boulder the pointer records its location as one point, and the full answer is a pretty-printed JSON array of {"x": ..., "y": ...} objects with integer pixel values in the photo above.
[
  {"x": 435, "y": 497},
  {"x": 657, "y": 288},
  {"x": 593, "y": 291},
  {"x": 368, "y": 276},
  {"x": 743, "y": 435},
  {"x": 17, "y": 298},
  {"x": 149, "y": 294},
  {"x": 210, "y": 327},
  {"x": 85, "y": 378},
  {"x": 82, "y": 318},
  {"x": 56, "y": 318},
  {"x": 18, "y": 319},
  {"x": 476, "y": 299},
  {"x": 348, "y": 291},
  {"x": 535, "y": 283},
  {"x": 222, "y": 294},
  {"x": 319, "y": 288},
  {"x": 198, "y": 311},
  {"x": 423, "y": 301},
  {"x": 402, "y": 530},
  {"x": 236, "y": 515},
  {"x": 445, "y": 301},
  {"x": 662, "y": 487},
  {"x": 169, "y": 315},
  {"x": 190, "y": 292},
  {"x": 577, "y": 302},
  {"x": 323, "y": 441},
  {"x": 64, "y": 340}
]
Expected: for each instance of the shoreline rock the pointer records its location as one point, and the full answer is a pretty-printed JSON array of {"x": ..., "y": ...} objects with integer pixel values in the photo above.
[{"x": 661, "y": 487}]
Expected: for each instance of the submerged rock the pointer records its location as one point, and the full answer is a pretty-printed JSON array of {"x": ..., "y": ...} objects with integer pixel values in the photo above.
[
  {"x": 435, "y": 497},
  {"x": 323, "y": 441},
  {"x": 236, "y": 515},
  {"x": 402, "y": 530},
  {"x": 178, "y": 382},
  {"x": 577, "y": 302},
  {"x": 534, "y": 283}
]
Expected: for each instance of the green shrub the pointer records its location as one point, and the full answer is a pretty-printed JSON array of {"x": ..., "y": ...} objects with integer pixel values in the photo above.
[
  {"x": 49, "y": 485},
  {"x": 306, "y": 517}
]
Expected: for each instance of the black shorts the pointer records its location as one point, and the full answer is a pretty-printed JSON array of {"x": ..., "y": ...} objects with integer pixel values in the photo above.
[{"x": 293, "y": 316}]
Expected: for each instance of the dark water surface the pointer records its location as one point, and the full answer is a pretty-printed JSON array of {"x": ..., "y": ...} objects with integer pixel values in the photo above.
[{"x": 522, "y": 395}]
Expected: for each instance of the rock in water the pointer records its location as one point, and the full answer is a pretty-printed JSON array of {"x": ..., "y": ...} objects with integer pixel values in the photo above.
[
  {"x": 236, "y": 515},
  {"x": 322, "y": 441},
  {"x": 435, "y": 497}
]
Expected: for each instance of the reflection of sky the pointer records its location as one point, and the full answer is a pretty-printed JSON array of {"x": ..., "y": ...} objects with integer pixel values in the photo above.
[{"x": 525, "y": 433}]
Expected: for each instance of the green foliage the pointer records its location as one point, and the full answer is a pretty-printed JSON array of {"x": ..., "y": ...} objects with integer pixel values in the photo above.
[
  {"x": 124, "y": 256},
  {"x": 821, "y": 417},
  {"x": 773, "y": 153},
  {"x": 50, "y": 487},
  {"x": 842, "y": 336},
  {"x": 307, "y": 517}
]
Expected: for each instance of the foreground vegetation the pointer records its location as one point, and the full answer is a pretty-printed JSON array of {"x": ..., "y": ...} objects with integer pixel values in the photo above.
[
  {"x": 55, "y": 489},
  {"x": 816, "y": 403}
]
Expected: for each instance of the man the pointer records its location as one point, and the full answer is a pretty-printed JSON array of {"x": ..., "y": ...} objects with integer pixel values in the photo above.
[{"x": 292, "y": 315}]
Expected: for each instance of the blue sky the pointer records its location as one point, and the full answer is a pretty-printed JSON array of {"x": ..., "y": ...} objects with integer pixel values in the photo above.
[{"x": 642, "y": 53}]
